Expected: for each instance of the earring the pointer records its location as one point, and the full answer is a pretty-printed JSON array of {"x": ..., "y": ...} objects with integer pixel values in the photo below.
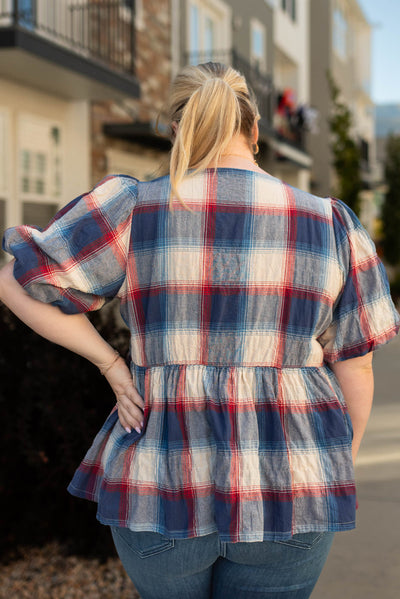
[{"x": 255, "y": 148}]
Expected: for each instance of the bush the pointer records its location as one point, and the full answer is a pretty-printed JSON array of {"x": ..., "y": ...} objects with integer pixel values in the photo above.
[
  {"x": 391, "y": 205},
  {"x": 53, "y": 403},
  {"x": 395, "y": 288}
]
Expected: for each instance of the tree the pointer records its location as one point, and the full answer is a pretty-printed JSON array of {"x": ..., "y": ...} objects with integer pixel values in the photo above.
[
  {"x": 346, "y": 153},
  {"x": 391, "y": 206}
]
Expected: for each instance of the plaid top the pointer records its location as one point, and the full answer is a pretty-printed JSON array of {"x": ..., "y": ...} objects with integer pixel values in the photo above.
[{"x": 235, "y": 312}]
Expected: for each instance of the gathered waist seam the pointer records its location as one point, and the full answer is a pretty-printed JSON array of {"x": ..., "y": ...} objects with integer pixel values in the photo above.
[{"x": 227, "y": 366}]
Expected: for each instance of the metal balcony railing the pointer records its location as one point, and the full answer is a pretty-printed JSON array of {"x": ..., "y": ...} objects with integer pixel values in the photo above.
[
  {"x": 260, "y": 83},
  {"x": 290, "y": 122},
  {"x": 100, "y": 30}
]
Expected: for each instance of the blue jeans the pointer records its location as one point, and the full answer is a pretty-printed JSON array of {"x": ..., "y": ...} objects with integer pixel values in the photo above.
[{"x": 205, "y": 568}]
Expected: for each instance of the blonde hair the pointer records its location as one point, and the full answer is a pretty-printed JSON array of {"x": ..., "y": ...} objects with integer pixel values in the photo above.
[{"x": 211, "y": 103}]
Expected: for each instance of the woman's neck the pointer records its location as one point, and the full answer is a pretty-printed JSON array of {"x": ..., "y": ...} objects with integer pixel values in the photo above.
[{"x": 238, "y": 155}]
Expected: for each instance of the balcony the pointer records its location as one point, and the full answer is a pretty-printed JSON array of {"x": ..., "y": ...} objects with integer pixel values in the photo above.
[
  {"x": 76, "y": 49},
  {"x": 291, "y": 122}
]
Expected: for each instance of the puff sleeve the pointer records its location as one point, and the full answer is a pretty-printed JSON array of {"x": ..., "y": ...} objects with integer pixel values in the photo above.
[
  {"x": 78, "y": 262},
  {"x": 364, "y": 315}
]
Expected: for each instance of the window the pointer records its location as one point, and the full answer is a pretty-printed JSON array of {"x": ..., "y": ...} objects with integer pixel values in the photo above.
[
  {"x": 33, "y": 170},
  {"x": 194, "y": 33},
  {"x": 340, "y": 30},
  {"x": 208, "y": 26},
  {"x": 209, "y": 37},
  {"x": 36, "y": 213},
  {"x": 40, "y": 168},
  {"x": 258, "y": 45},
  {"x": 26, "y": 13},
  {"x": 290, "y": 7}
]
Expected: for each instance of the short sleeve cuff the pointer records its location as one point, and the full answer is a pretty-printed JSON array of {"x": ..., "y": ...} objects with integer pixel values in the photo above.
[{"x": 362, "y": 348}]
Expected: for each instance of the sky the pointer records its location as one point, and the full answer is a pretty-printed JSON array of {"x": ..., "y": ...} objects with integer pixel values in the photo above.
[{"x": 384, "y": 15}]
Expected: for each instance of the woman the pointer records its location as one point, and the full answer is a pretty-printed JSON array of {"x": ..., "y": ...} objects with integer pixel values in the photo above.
[{"x": 226, "y": 465}]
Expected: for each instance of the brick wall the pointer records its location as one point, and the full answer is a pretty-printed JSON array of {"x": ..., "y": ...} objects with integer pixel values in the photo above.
[{"x": 153, "y": 71}]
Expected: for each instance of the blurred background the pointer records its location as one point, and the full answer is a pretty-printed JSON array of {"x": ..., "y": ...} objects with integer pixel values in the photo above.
[{"x": 82, "y": 83}]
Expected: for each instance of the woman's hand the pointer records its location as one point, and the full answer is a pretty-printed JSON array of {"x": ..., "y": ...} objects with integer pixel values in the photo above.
[
  {"x": 129, "y": 402},
  {"x": 76, "y": 333}
]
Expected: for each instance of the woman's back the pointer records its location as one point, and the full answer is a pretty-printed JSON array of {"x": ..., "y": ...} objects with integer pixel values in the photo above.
[
  {"x": 246, "y": 431},
  {"x": 249, "y": 278},
  {"x": 253, "y": 309}
]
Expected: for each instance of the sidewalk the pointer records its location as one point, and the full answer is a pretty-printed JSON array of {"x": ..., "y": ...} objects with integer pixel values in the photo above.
[{"x": 365, "y": 563}]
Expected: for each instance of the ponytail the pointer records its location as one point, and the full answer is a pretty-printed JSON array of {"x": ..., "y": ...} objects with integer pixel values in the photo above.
[{"x": 211, "y": 103}]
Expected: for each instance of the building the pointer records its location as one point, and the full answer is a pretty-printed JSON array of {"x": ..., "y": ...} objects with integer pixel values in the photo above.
[
  {"x": 234, "y": 33},
  {"x": 291, "y": 75},
  {"x": 71, "y": 71},
  {"x": 55, "y": 59},
  {"x": 341, "y": 44},
  {"x": 252, "y": 37},
  {"x": 124, "y": 135},
  {"x": 169, "y": 35}
]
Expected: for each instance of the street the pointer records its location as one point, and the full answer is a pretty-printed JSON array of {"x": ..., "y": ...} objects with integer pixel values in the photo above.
[{"x": 365, "y": 563}]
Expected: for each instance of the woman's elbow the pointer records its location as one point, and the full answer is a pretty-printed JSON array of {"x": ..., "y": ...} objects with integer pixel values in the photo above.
[
  {"x": 358, "y": 364},
  {"x": 6, "y": 276}
]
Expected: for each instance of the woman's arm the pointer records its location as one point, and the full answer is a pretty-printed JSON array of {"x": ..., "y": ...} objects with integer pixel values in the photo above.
[
  {"x": 356, "y": 380},
  {"x": 76, "y": 333}
]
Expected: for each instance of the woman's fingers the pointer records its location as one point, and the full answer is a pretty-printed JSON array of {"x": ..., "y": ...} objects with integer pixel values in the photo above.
[
  {"x": 135, "y": 397},
  {"x": 130, "y": 410},
  {"x": 129, "y": 401},
  {"x": 128, "y": 423}
]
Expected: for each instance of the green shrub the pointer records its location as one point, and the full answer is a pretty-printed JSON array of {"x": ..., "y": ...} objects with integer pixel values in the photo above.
[
  {"x": 53, "y": 403},
  {"x": 395, "y": 288}
]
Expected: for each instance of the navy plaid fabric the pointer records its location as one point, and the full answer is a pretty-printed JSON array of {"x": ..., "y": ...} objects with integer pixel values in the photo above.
[{"x": 235, "y": 311}]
